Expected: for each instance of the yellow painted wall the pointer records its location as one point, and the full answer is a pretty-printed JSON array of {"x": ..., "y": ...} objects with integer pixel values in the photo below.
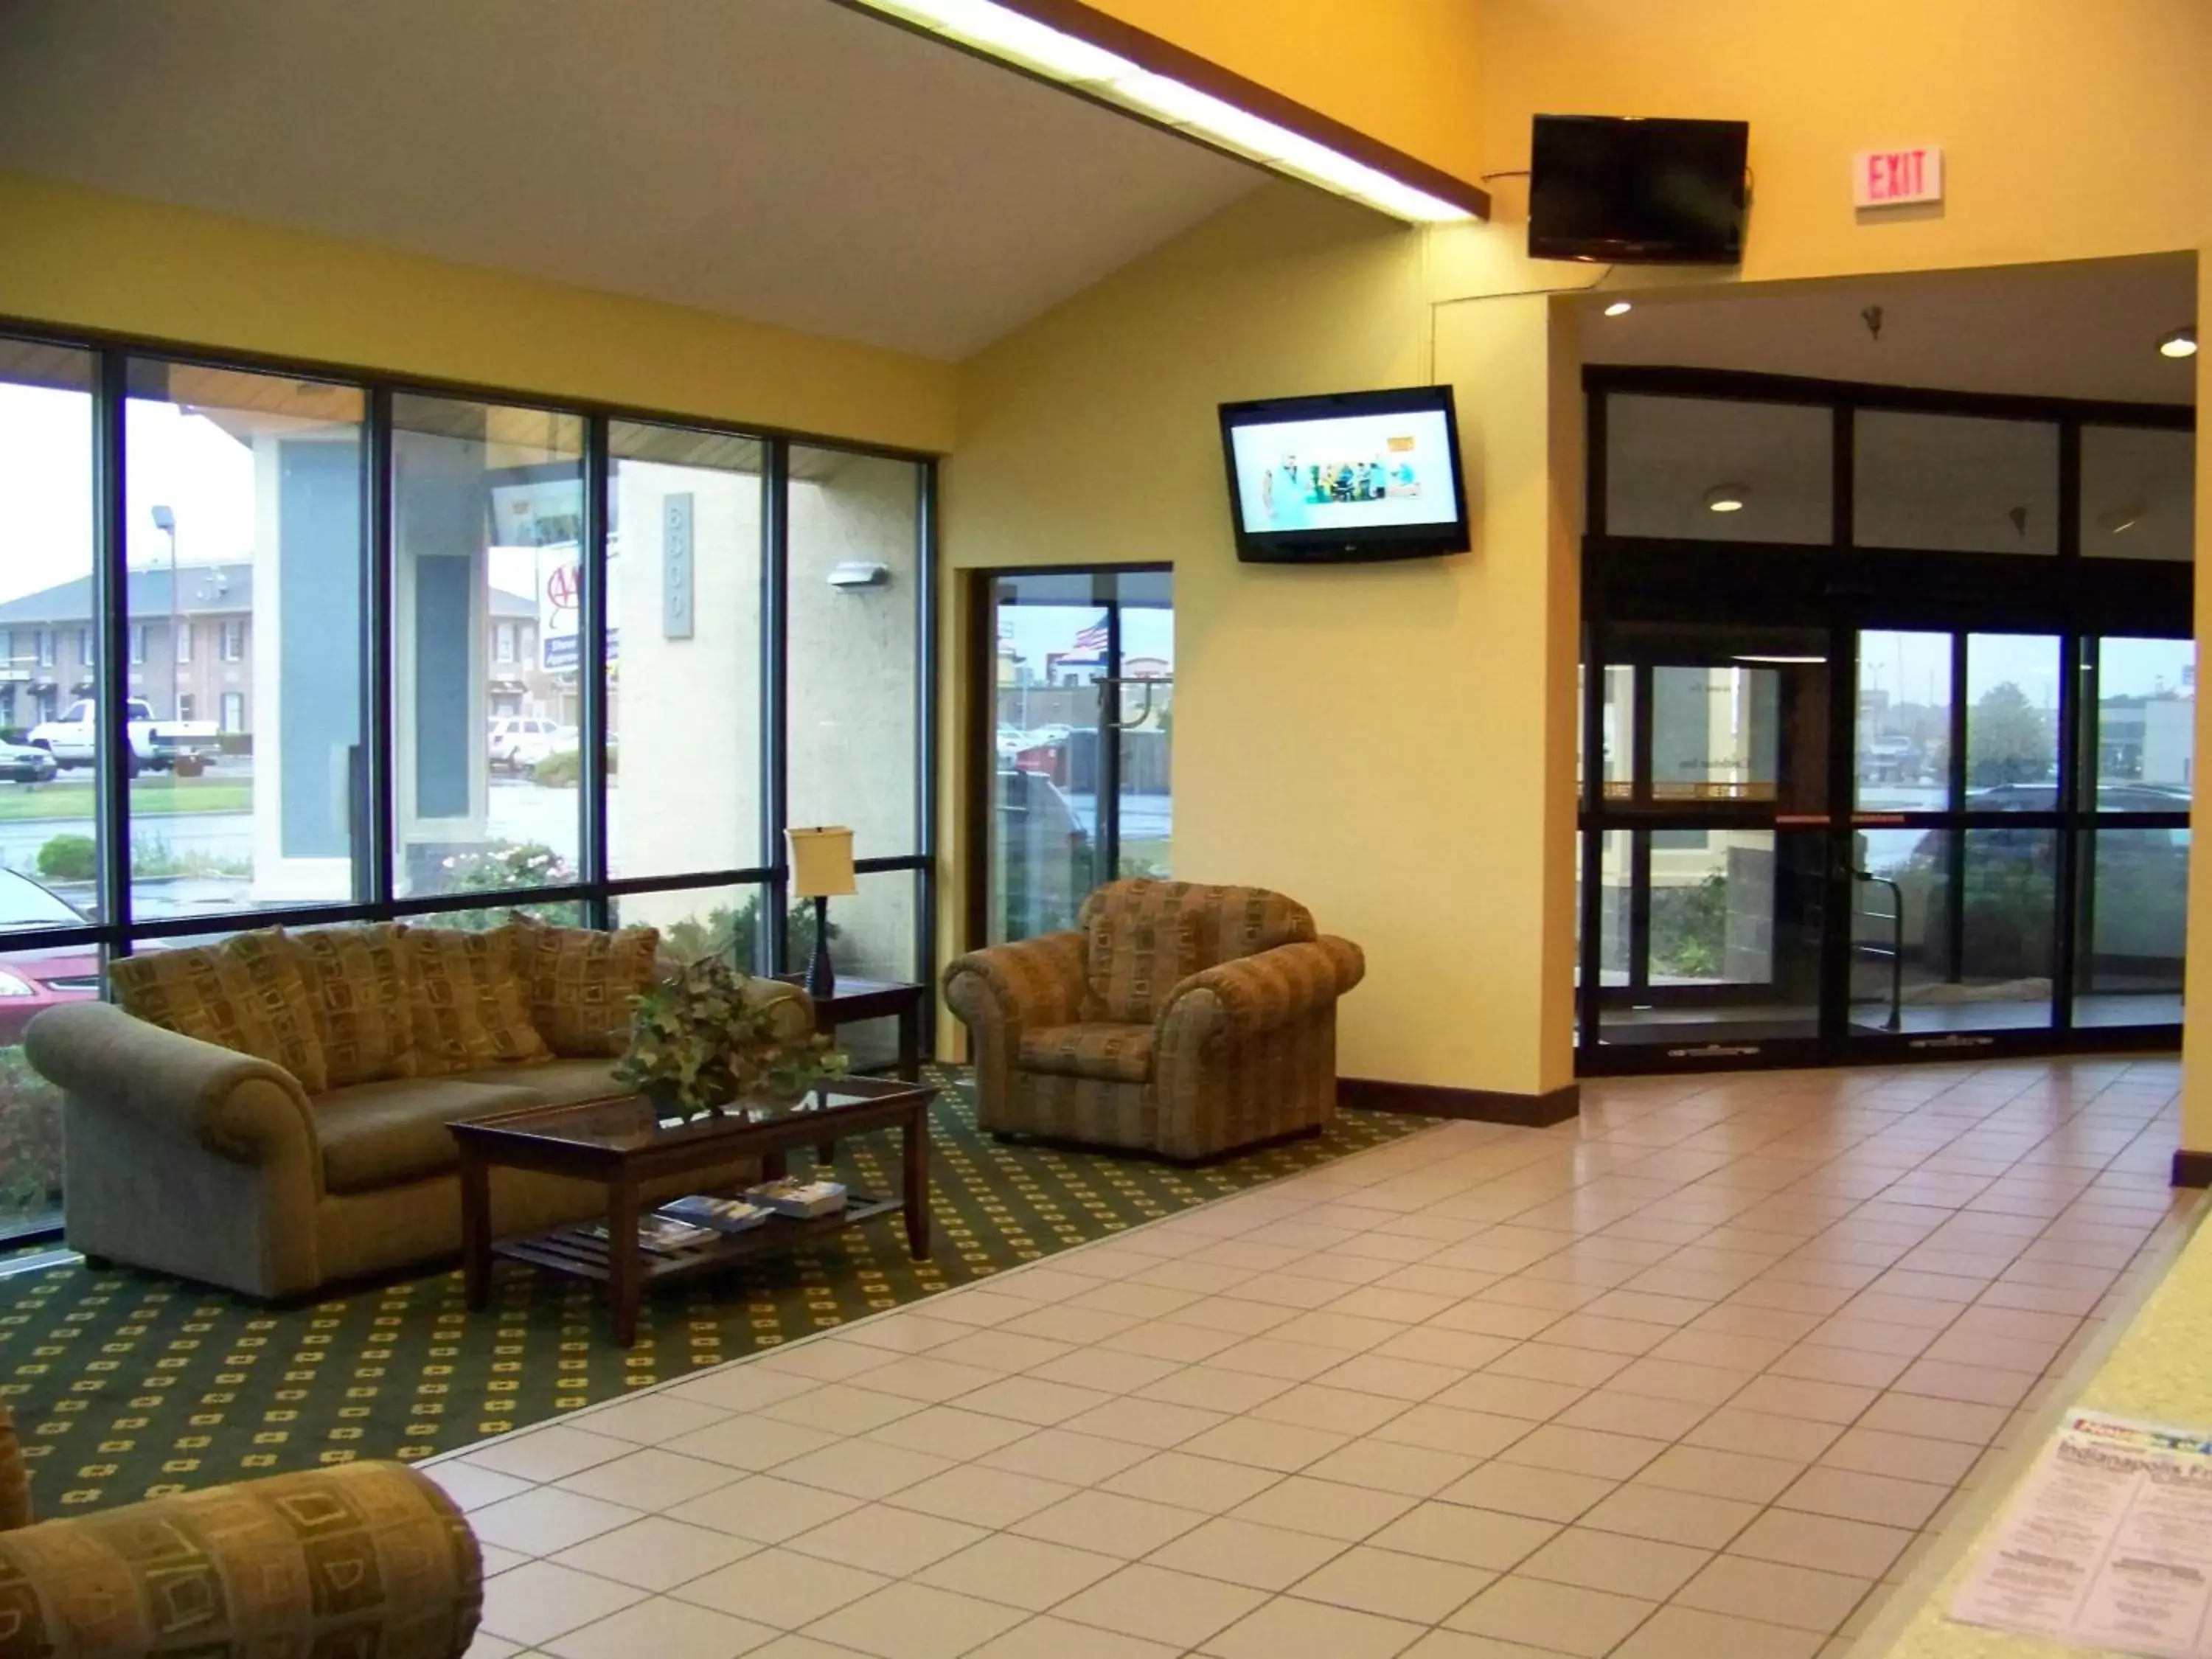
[
  {"x": 1397, "y": 746},
  {"x": 1399, "y": 70},
  {"x": 86, "y": 259}
]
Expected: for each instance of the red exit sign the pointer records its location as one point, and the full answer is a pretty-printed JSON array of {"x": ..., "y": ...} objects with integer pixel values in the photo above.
[{"x": 1892, "y": 178}]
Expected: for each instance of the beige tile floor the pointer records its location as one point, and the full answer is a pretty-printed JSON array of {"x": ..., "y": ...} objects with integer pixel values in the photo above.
[{"x": 1699, "y": 1374}]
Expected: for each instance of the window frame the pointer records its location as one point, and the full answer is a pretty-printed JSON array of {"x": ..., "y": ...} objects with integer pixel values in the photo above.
[{"x": 376, "y": 844}]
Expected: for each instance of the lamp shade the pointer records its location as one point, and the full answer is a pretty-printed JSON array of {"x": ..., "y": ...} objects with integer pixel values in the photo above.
[{"x": 820, "y": 862}]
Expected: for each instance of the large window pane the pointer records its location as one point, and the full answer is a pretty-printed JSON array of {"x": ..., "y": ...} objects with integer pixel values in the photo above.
[
  {"x": 2138, "y": 493},
  {"x": 30, "y": 1107},
  {"x": 49, "y": 830},
  {"x": 1955, "y": 483},
  {"x": 2133, "y": 927},
  {"x": 1672, "y": 464},
  {"x": 1146, "y": 708},
  {"x": 684, "y": 671},
  {"x": 1902, "y": 760},
  {"x": 703, "y": 921},
  {"x": 1715, "y": 733},
  {"x": 2012, "y": 722},
  {"x": 487, "y": 524},
  {"x": 2146, "y": 729},
  {"x": 1980, "y": 920},
  {"x": 244, "y": 534},
  {"x": 856, "y": 559}
]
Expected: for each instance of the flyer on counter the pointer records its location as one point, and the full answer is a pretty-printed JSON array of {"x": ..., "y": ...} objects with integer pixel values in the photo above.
[{"x": 2107, "y": 1544}]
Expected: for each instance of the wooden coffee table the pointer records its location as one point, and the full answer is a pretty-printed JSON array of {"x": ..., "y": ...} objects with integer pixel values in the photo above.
[{"x": 621, "y": 1143}]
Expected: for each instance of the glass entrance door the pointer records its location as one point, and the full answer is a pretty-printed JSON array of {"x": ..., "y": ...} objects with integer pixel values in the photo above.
[
  {"x": 1705, "y": 872},
  {"x": 1082, "y": 696},
  {"x": 1827, "y": 844}
]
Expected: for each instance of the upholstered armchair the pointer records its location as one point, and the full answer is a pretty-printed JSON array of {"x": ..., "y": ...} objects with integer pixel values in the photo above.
[
  {"x": 359, "y": 1558},
  {"x": 1176, "y": 1019}
]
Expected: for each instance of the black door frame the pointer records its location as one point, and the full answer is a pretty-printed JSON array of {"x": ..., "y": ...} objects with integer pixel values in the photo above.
[{"x": 1841, "y": 589}]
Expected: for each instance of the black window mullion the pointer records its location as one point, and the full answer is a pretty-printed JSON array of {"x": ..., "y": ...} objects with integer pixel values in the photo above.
[
  {"x": 2066, "y": 872},
  {"x": 775, "y": 690},
  {"x": 111, "y": 578},
  {"x": 1954, "y": 893},
  {"x": 1106, "y": 757},
  {"x": 592, "y": 675},
  {"x": 925, "y": 744},
  {"x": 375, "y": 828}
]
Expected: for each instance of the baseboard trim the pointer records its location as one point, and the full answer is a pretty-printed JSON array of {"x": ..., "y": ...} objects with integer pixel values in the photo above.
[
  {"x": 1368, "y": 1094},
  {"x": 2192, "y": 1169}
]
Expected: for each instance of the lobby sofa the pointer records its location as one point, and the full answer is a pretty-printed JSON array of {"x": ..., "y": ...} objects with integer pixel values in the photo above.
[
  {"x": 190, "y": 1157},
  {"x": 1176, "y": 1019}
]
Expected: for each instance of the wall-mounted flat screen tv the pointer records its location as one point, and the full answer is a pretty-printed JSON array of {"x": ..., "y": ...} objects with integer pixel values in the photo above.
[
  {"x": 1347, "y": 478},
  {"x": 1637, "y": 193}
]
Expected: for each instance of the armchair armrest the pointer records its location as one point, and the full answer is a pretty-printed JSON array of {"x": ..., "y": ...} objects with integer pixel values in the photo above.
[
  {"x": 1246, "y": 996},
  {"x": 192, "y": 1092},
  {"x": 1035, "y": 982},
  {"x": 356, "y": 1558}
]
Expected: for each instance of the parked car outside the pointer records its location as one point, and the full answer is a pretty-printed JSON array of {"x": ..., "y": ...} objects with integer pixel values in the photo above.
[
  {"x": 32, "y": 981},
  {"x": 184, "y": 747},
  {"x": 519, "y": 742},
  {"x": 21, "y": 763}
]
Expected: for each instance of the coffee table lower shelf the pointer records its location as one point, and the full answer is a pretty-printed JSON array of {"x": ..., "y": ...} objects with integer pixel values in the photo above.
[{"x": 577, "y": 1251}]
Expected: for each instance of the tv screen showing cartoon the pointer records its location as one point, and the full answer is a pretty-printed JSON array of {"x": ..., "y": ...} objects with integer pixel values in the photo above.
[{"x": 1348, "y": 476}]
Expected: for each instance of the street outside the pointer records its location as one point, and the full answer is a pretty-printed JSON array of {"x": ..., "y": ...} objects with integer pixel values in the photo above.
[{"x": 168, "y": 821}]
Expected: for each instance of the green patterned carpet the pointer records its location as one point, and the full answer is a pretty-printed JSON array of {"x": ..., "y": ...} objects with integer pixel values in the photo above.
[{"x": 127, "y": 1384}]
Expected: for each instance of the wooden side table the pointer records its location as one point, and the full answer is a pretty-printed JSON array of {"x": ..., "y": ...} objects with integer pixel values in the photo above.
[{"x": 856, "y": 999}]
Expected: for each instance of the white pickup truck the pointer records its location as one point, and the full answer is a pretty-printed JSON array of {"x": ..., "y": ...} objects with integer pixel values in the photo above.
[{"x": 184, "y": 747}]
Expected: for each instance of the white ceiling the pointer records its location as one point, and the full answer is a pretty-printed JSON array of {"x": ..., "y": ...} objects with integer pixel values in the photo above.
[
  {"x": 2066, "y": 331},
  {"x": 788, "y": 160}
]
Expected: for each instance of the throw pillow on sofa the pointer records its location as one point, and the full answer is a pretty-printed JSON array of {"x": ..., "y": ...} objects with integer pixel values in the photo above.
[
  {"x": 471, "y": 1008},
  {"x": 246, "y": 995},
  {"x": 581, "y": 983},
  {"x": 363, "y": 993}
]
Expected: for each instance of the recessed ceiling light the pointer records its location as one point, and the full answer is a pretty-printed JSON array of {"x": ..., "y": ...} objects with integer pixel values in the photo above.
[
  {"x": 1621, "y": 308},
  {"x": 2123, "y": 519},
  {"x": 2182, "y": 343},
  {"x": 1725, "y": 498},
  {"x": 1004, "y": 33},
  {"x": 1775, "y": 659}
]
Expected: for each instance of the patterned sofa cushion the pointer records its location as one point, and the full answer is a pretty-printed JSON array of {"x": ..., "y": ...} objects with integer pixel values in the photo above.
[
  {"x": 1118, "y": 1053},
  {"x": 470, "y": 1009},
  {"x": 246, "y": 994},
  {"x": 363, "y": 993},
  {"x": 581, "y": 982}
]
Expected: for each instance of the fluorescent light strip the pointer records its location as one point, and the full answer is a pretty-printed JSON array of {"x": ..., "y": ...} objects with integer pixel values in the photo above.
[{"x": 1002, "y": 33}]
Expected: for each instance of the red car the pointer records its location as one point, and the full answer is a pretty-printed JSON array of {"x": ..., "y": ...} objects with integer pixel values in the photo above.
[{"x": 32, "y": 981}]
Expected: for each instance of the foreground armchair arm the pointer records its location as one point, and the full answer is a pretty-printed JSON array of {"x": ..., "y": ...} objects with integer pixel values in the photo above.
[
  {"x": 359, "y": 1557},
  {"x": 231, "y": 1104},
  {"x": 1003, "y": 991}
]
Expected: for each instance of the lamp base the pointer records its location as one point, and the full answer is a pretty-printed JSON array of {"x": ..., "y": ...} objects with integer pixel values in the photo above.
[{"x": 820, "y": 973}]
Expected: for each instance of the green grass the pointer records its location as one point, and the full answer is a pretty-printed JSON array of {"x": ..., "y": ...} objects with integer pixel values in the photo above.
[{"x": 150, "y": 797}]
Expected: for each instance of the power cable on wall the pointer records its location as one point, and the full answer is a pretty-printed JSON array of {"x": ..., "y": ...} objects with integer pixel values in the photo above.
[{"x": 1435, "y": 305}]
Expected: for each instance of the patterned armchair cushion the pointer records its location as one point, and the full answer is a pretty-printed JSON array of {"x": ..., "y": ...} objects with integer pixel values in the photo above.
[
  {"x": 1142, "y": 938},
  {"x": 246, "y": 994},
  {"x": 581, "y": 982},
  {"x": 362, "y": 994},
  {"x": 471, "y": 1008},
  {"x": 358, "y": 1559},
  {"x": 1119, "y": 1053}
]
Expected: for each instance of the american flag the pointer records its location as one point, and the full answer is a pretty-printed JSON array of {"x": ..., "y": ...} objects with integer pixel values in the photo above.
[{"x": 1092, "y": 638}]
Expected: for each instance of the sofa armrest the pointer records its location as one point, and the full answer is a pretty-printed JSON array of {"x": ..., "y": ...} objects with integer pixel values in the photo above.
[
  {"x": 368, "y": 1558},
  {"x": 192, "y": 1092},
  {"x": 1035, "y": 983},
  {"x": 1248, "y": 996}
]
